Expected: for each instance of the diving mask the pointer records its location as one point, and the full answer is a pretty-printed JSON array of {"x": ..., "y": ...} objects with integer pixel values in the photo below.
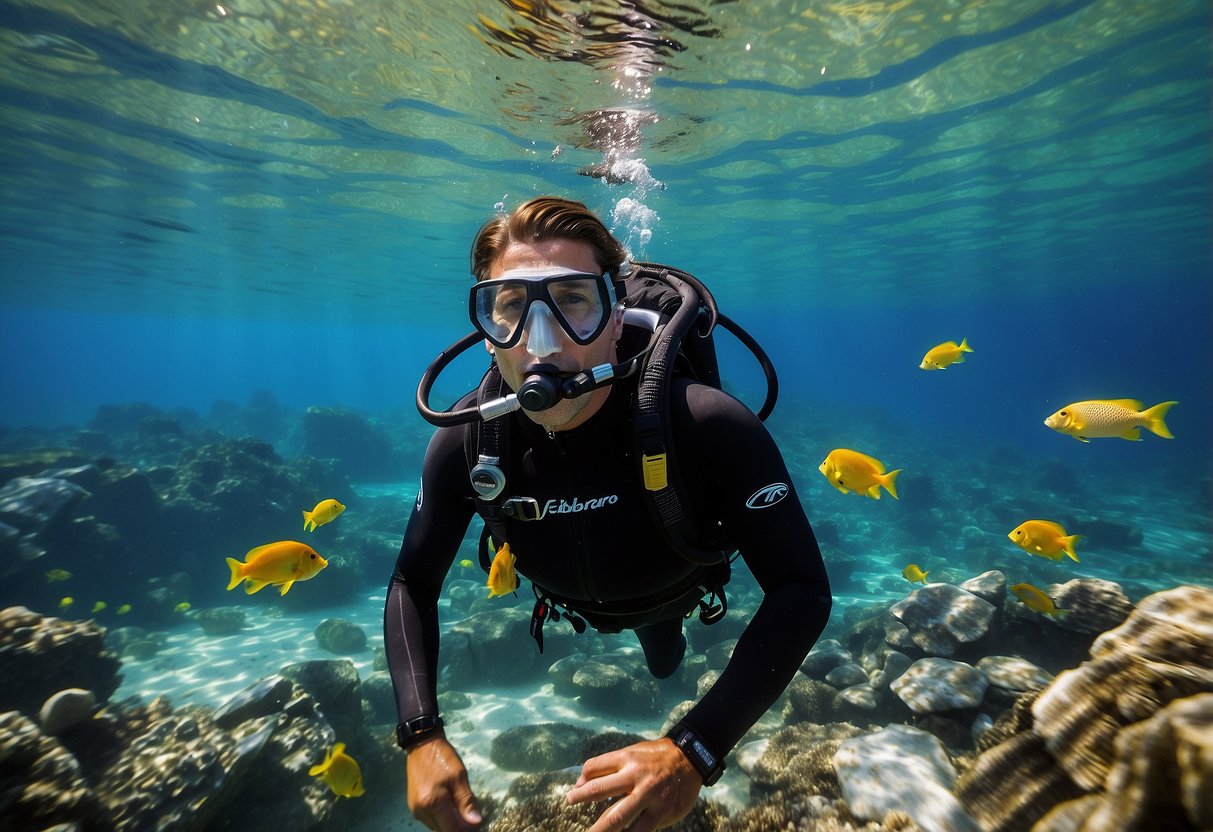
[{"x": 533, "y": 299}]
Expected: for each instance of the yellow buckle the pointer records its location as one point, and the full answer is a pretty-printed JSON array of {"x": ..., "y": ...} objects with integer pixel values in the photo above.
[{"x": 654, "y": 471}]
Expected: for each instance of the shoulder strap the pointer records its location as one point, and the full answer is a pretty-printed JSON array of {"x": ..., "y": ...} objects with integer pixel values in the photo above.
[{"x": 487, "y": 443}]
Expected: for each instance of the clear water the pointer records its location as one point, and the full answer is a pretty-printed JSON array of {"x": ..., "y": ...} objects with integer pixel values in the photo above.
[{"x": 199, "y": 201}]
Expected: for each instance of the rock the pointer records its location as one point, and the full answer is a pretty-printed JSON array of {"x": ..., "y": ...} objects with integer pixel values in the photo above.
[
  {"x": 989, "y": 586},
  {"x": 846, "y": 675},
  {"x": 337, "y": 635},
  {"x": 861, "y": 697},
  {"x": 379, "y": 697},
  {"x": 334, "y": 684},
  {"x": 29, "y": 504},
  {"x": 40, "y": 656},
  {"x": 42, "y": 783},
  {"x": 611, "y": 689},
  {"x": 935, "y": 685},
  {"x": 1013, "y": 674},
  {"x": 750, "y": 753},
  {"x": 494, "y": 649},
  {"x": 220, "y": 621},
  {"x": 1094, "y": 606},
  {"x": 941, "y": 618},
  {"x": 261, "y": 699},
  {"x": 66, "y": 709},
  {"x": 901, "y": 769},
  {"x": 826, "y": 655},
  {"x": 545, "y": 747},
  {"x": 895, "y": 664},
  {"x": 362, "y": 450}
]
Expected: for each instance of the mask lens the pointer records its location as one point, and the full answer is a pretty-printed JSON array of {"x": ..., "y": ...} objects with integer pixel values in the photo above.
[{"x": 579, "y": 302}]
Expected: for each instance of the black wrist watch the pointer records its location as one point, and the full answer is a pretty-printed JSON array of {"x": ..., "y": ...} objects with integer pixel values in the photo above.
[
  {"x": 413, "y": 731},
  {"x": 709, "y": 766}
]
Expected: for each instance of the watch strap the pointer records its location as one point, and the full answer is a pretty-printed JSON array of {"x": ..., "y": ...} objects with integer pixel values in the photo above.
[
  {"x": 412, "y": 731},
  {"x": 709, "y": 764}
]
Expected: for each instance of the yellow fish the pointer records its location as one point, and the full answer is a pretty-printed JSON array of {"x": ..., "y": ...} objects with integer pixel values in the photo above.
[
  {"x": 325, "y": 511},
  {"x": 184, "y": 606},
  {"x": 1103, "y": 418},
  {"x": 849, "y": 471},
  {"x": 945, "y": 355},
  {"x": 98, "y": 607},
  {"x": 1036, "y": 600},
  {"x": 340, "y": 771},
  {"x": 280, "y": 564},
  {"x": 1045, "y": 539},
  {"x": 502, "y": 580},
  {"x": 66, "y": 602},
  {"x": 57, "y": 575},
  {"x": 914, "y": 575},
  {"x": 466, "y": 563},
  {"x": 123, "y": 610}
]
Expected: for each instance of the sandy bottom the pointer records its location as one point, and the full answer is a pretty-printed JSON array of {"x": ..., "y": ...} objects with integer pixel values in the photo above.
[{"x": 194, "y": 668}]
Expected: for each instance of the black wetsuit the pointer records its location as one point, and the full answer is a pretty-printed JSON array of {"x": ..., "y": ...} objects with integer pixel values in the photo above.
[{"x": 597, "y": 547}]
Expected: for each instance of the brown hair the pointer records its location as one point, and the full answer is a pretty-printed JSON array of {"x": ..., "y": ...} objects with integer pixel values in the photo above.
[{"x": 545, "y": 218}]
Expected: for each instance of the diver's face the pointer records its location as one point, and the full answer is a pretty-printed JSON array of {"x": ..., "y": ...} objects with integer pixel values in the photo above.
[{"x": 570, "y": 356}]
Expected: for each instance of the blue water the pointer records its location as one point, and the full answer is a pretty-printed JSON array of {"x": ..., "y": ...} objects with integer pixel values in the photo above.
[{"x": 201, "y": 206}]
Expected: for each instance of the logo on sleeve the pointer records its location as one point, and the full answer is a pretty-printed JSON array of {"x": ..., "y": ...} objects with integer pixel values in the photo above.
[{"x": 767, "y": 496}]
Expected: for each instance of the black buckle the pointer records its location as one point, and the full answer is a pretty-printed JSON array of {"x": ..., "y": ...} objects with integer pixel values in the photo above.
[{"x": 521, "y": 508}]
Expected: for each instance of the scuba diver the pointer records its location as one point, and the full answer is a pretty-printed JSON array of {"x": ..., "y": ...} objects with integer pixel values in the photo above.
[{"x": 614, "y": 474}]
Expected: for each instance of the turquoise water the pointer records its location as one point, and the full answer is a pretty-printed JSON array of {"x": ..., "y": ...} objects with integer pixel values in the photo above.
[{"x": 206, "y": 206}]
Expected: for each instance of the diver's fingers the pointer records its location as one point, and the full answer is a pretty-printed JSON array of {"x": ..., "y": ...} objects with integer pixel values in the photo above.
[
  {"x": 614, "y": 784},
  {"x": 599, "y": 766},
  {"x": 619, "y": 816}
]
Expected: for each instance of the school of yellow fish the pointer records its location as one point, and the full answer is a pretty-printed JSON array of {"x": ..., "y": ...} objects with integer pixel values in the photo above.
[{"x": 850, "y": 471}]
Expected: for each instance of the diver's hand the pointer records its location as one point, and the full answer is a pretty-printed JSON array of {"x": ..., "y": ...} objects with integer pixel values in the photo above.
[
  {"x": 438, "y": 791},
  {"x": 654, "y": 783}
]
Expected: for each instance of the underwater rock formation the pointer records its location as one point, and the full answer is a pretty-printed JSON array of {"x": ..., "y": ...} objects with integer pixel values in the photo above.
[
  {"x": 42, "y": 655},
  {"x": 936, "y": 685},
  {"x": 901, "y": 769},
  {"x": 1094, "y": 741},
  {"x": 220, "y": 621},
  {"x": 942, "y": 618},
  {"x": 535, "y": 748},
  {"x": 362, "y": 451},
  {"x": 336, "y": 635}
]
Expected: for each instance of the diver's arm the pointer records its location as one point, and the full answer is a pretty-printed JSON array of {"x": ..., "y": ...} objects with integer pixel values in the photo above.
[
  {"x": 410, "y": 619},
  {"x": 725, "y": 445}
]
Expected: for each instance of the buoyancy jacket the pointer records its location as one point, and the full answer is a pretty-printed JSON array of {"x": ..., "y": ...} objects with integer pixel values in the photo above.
[{"x": 596, "y": 549}]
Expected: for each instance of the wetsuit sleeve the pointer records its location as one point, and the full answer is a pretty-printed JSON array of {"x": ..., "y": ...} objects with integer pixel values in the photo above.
[
  {"x": 410, "y": 618},
  {"x": 745, "y": 484}
]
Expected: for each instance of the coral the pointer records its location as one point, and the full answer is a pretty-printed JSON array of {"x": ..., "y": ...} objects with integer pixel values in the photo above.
[
  {"x": 1092, "y": 740},
  {"x": 1013, "y": 784},
  {"x": 809, "y": 700},
  {"x": 42, "y": 655},
  {"x": 544, "y": 747},
  {"x": 550, "y": 813},
  {"x": 792, "y": 812},
  {"x": 800, "y": 760}
]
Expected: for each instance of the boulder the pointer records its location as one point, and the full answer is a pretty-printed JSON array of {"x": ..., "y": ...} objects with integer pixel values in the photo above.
[
  {"x": 936, "y": 685},
  {"x": 942, "y": 618},
  {"x": 901, "y": 769}
]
